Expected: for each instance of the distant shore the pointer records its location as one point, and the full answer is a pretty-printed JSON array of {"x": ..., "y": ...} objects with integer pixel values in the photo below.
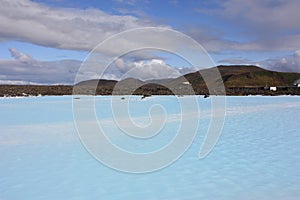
[
  {"x": 238, "y": 80},
  {"x": 59, "y": 90}
]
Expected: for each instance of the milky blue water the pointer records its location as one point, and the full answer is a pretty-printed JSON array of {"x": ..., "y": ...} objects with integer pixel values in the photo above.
[{"x": 256, "y": 157}]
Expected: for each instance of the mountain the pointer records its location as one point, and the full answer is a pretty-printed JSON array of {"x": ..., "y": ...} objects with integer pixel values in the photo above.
[
  {"x": 233, "y": 76},
  {"x": 236, "y": 76},
  {"x": 237, "y": 79},
  {"x": 241, "y": 76},
  {"x": 93, "y": 82}
]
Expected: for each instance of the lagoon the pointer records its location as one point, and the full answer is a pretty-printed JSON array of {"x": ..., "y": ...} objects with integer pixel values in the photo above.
[{"x": 256, "y": 157}]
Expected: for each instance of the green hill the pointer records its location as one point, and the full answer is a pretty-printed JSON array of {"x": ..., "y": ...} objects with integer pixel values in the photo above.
[
  {"x": 236, "y": 76},
  {"x": 240, "y": 76}
]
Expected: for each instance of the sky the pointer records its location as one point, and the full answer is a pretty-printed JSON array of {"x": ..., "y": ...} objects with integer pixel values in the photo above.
[{"x": 46, "y": 41}]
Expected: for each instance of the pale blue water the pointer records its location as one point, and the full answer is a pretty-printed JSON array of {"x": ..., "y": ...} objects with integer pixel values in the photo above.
[{"x": 257, "y": 156}]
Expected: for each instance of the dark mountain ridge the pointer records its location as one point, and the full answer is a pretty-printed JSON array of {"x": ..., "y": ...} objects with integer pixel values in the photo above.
[
  {"x": 237, "y": 79},
  {"x": 232, "y": 76}
]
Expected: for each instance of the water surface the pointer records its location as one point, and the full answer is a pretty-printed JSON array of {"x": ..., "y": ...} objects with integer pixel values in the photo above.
[{"x": 257, "y": 156}]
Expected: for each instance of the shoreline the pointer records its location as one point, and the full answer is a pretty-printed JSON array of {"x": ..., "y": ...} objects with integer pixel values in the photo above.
[
  {"x": 68, "y": 90},
  {"x": 76, "y": 96}
]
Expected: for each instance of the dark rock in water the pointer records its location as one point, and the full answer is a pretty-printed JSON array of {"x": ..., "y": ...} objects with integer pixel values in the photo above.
[
  {"x": 76, "y": 98},
  {"x": 206, "y": 96},
  {"x": 123, "y": 98},
  {"x": 146, "y": 95}
]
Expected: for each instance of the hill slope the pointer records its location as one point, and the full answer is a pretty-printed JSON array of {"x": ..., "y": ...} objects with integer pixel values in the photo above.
[
  {"x": 238, "y": 80},
  {"x": 240, "y": 76},
  {"x": 234, "y": 76}
]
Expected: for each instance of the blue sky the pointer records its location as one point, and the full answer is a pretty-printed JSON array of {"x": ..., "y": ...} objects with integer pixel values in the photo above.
[{"x": 45, "y": 41}]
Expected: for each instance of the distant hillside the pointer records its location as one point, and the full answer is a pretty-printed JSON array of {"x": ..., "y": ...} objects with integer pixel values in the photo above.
[
  {"x": 234, "y": 76},
  {"x": 102, "y": 82},
  {"x": 242, "y": 76},
  {"x": 238, "y": 80}
]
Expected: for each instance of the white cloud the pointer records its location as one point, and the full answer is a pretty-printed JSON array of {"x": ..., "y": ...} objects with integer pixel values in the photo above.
[
  {"x": 20, "y": 56},
  {"x": 289, "y": 63},
  {"x": 9, "y": 82},
  {"x": 26, "y": 70},
  {"x": 276, "y": 15},
  {"x": 143, "y": 70},
  {"x": 82, "y": 29},
  {"x": 153, "y": 69},
  {"x": 271, "y": 25},
  {"x": 60, "y": 27},
  {"x": 260, "y": 15},
  {"x": 236, "y": 61}
]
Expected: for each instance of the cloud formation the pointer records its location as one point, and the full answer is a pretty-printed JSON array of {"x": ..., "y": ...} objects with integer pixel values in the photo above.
[
  {"x": 83, "y": 29},
  {"x": 24, "y": 69},
  {"x": 20, "y": 56},
  {"x": 263, "y": 15},
  {"x": 271, "y": 25},
  {"x": 289, "y": 63},
  {"x": 145, "y": 70},
  {"x": 65, "y": 28},
  {"x": 152, "y": 68}
]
